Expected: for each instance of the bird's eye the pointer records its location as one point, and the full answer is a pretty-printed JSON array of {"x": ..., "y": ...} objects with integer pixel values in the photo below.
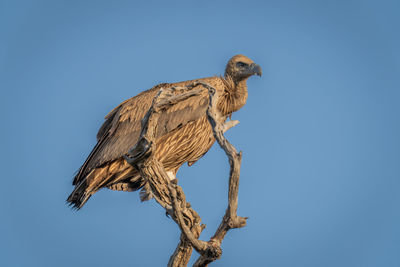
[{"x": 241, "y": 64}]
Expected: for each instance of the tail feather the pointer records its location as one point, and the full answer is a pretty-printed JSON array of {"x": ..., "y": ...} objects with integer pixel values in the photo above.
[
  {"x": 79, "y": 196},
  {"x": 117, "y": 175},
  {"x": 87, "y": 187}
]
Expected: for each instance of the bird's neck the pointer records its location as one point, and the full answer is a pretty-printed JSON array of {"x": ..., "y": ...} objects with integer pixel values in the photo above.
[{"x": 235, "y": 95}]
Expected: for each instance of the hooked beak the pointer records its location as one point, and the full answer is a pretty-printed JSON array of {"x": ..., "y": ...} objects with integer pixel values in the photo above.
[{"x": 255, "y": 69}]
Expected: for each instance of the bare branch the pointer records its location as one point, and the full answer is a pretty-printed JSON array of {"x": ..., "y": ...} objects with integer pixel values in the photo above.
[
  {"x": 170, "y": 195},
  {"x": 230, "y": 219},
  {"x": 197, "y": 244},
  {"x": 230, "y": 124}
]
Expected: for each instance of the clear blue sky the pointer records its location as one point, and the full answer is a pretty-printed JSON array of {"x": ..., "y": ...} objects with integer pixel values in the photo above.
[{"x": 320, "y": 132}]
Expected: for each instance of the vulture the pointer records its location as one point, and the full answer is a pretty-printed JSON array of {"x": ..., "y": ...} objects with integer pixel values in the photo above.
[{"x": 184, "y": 135}]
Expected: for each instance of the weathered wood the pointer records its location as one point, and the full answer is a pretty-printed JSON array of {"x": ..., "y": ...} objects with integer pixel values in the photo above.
[
  {"x": 230, "y": 219},
  {"x": 152, "y": 171},
  {"x": 169, "y": 194}
]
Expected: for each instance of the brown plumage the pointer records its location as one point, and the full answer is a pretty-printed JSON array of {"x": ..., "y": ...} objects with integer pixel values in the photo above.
[{"x": 183, "y": 133}]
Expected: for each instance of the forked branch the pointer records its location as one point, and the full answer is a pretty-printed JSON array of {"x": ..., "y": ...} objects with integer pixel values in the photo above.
[{"x": 169, "y": 194}]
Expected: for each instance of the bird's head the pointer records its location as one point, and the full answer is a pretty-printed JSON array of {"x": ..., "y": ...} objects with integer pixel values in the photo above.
[{"x": 240, "y": 67}]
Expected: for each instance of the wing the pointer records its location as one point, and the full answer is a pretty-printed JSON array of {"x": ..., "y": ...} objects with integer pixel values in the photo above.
[{"x": 122, "y": 126}]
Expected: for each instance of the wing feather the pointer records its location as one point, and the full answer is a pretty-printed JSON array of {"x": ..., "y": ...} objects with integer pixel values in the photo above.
[{"x": 122, "y": 125}]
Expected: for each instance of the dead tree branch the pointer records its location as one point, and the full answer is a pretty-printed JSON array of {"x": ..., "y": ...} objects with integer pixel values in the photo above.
[{"x": 169, "y": 194}]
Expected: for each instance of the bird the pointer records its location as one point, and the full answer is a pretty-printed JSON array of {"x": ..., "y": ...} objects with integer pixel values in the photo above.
[{"x": 183, "y": 133}]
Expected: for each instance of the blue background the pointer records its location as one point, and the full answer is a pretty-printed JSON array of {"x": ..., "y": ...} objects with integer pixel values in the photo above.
[{"x": 320, "y": 131}]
